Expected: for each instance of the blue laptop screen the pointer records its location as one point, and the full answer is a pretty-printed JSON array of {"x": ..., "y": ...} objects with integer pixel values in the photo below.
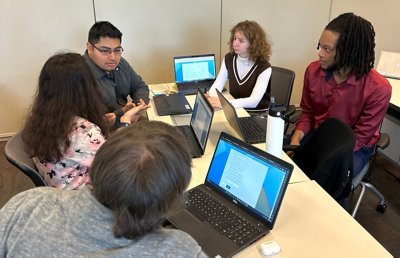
[
  {"x": 194, "y": 68},
  {"x": 251, "y": 179}
]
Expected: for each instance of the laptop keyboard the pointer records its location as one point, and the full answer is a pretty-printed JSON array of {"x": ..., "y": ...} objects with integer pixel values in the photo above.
[
  {"x": 221, "y": 218},
  {"x": 251, "y": 131},
  {"x": 192, "y": 88}
]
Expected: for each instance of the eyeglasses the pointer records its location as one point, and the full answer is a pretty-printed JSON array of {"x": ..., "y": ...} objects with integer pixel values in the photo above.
[{"x": 108, "y": 51}]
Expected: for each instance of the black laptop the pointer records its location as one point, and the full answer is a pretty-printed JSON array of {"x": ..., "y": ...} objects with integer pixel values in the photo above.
[
  {"x": 173, "y": 104},
  {"x": 200, "y": 124},
  {"x": 252, "y": 129},
  {"x": 194, "y": 72},
  {"x": 239, "y": 200}
]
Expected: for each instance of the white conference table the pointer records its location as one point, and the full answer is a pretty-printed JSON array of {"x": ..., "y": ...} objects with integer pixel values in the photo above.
[
  {"x": 219, "y": 124},
  {"x": 310, "y": 222}
]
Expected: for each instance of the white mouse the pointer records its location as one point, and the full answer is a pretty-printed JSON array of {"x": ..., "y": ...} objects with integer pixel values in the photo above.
[{"x": 270, "y": 248}]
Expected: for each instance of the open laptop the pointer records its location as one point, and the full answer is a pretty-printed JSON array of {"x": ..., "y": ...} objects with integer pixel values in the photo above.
[
  {"x": 194, "y": 72},
  {"x": 241, "y": 179},
  {"x": 389, "y": 64},
  {"x": 173, "y": 104},
  {"x": 200, "y": 124},
  {"x": 252, "y": 129}
]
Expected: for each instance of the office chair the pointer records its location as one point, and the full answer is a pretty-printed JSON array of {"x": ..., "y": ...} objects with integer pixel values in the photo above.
[
  {"x": 281, "y": 84},
  {"x": 14, "y": 152},
  {"x": 363, "y": 179},
  {"x": 327, "y": 157}
]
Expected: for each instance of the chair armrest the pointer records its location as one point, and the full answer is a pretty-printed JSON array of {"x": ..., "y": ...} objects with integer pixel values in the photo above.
[
  {"x": 290, "y": 110},
  {"x": 289, "y": 147},
  {"x": 384, "y": 141}
]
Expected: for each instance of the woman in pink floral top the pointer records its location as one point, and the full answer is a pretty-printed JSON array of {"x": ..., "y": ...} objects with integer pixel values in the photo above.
[
  {"x": 67, "y": 123},
  {"x": 71, "y": 171}
]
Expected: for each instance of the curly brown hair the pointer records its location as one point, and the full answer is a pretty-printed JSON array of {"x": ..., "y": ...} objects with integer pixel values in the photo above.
[
  {"x": 67, "y": 88},
  {"x": 260, "y": 48}
]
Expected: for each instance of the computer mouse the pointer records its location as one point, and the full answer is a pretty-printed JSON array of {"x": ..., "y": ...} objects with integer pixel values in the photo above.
[{"x": 270, "y": 248}]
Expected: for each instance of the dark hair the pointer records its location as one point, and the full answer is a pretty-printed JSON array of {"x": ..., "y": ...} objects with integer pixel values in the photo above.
[
  {"x": 66, "y": 89},
  {"x": 140, "y": 173},
  {"x": 260, "y": 48},
  {"x": 356, "y": 44},
  {"x": 103, "y": 29}
]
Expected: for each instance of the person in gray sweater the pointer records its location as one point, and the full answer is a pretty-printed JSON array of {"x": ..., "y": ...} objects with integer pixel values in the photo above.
[{"x": 138, "y": 177}]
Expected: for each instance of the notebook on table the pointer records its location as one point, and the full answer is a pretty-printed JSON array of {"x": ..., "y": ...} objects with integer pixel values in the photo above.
[
  {"x": 389, "y": 64},
  {"x": 194, "y": 72},
  {"x": 200, "y": 124},
  {"x": 174, "y": 104},
  {"x": 252, "y": 129},
  {"x": 242, "y": 182}
]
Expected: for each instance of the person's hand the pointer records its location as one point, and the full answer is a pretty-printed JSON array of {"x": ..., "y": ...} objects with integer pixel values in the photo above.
[
  {"x": 133, "y": 114},
  {"x": 129, "y": 105},
  {"x": 109, "y": 118},
  {"x": 294, "y": 141},
  {"x": 214, "y": 101}
]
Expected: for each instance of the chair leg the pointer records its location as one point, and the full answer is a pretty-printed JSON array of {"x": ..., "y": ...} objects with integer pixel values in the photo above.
[
  {"x": 381, "y": 207},
  {"x": 353, "y": 214}
]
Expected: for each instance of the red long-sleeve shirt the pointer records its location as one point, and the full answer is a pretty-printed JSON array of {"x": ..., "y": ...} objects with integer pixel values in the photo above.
[{"x": 360, "y": 104}]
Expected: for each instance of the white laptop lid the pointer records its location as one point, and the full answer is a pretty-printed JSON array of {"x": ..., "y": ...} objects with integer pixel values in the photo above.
[
  {"x": 194, "y": 68},
  {"x": 389, "y": 64}
]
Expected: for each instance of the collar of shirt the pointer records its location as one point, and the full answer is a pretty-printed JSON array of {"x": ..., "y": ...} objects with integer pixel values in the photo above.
[
  {"x": 243, "y": 65},
  {"x": 97, "y": 72},
  {"x": 328, "y": 75}
]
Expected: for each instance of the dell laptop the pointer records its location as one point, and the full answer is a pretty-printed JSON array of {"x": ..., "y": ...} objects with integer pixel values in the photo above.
[
  {"x": 173, "y": 104},
  {"x": 198, "y": 130},
  {"x": 239, "y": 200},
  {"x": 194, "y": 72},
  {"x": 252, "y": 129}
]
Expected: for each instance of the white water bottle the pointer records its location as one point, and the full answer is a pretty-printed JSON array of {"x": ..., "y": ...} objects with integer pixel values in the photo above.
[{"x": 275, "y": 130}]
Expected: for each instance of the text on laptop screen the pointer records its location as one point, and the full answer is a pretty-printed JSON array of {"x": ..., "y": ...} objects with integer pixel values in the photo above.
[
  {"x": 249, "y": 178},
  {"x": 194, "y": 68},
  {"x": 201, "y": 119}
]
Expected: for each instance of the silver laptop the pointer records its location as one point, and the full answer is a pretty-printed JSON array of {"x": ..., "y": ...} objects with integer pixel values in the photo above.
[
  {"x": 389, "y": 64},
  {"x": 252, "y": 129},
  {"x": 239, "y": 200},
  {"x": 194, "y": 72},
  {"x": 200, "y": 124}
]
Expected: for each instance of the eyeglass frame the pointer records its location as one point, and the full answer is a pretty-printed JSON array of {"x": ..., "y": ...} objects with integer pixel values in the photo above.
[{"x": 108, "y": 51}]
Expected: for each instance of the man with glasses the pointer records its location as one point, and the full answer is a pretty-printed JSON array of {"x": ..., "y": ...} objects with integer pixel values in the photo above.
[
  {"x": 344, "y": 85},
  {"x": 115, "y": 77}
]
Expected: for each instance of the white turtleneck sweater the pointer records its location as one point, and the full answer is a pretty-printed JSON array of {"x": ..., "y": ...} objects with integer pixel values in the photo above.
[{"x": 243, "y": 66}]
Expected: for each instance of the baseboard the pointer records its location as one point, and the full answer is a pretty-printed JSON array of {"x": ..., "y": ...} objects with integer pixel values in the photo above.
[{"x": 5, "y": 136}]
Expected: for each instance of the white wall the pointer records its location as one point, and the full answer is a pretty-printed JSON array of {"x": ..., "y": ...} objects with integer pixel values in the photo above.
[
  {"x": 155, "y": 31},
  {"x": 32, "y": 31},
  {"x": 384, "y": 16}
]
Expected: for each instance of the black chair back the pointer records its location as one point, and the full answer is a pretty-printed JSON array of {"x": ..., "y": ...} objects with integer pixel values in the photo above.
[
  {"x": 282, "y": 80},
  {"x": 14, "y": 152}
]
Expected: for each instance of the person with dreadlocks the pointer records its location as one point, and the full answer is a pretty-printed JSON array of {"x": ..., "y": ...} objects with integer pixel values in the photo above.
[{"x": 344, "y": 85}]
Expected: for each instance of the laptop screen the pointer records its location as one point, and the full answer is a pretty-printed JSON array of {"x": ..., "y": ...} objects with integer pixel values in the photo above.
[
  {"x": 194, "y": 68},
  {"x": 250, "y": 177},
  {"x": 201, "y": 119}
]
